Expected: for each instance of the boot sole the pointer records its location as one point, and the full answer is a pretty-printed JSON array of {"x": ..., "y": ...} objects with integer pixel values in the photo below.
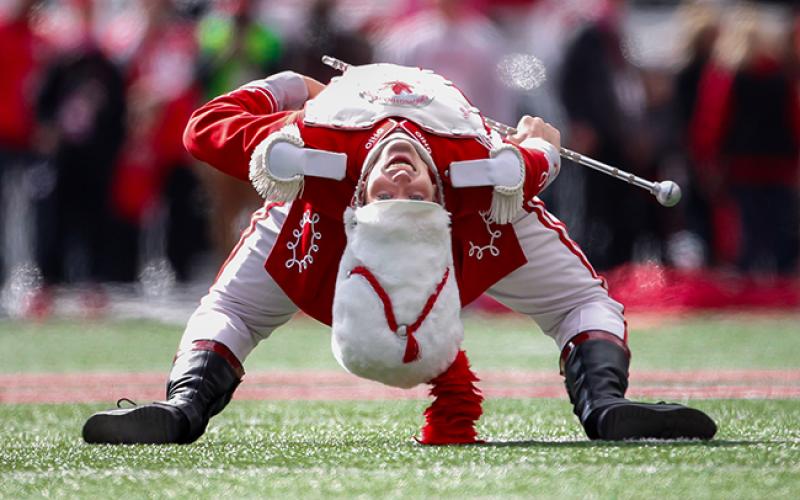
[
  {"x": 650, "y": 421},
  {"x": 147, "y": 424}
]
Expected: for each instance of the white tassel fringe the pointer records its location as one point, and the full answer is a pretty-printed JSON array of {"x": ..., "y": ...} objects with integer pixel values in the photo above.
[
  {"x": 507, "y": 200},
  {"x": 267, "y": 185}
]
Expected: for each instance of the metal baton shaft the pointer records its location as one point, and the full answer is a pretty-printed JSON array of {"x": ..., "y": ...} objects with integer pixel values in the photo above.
[
  {"x": 335, "y": 63},
  {"x": 667, "y": 193}
]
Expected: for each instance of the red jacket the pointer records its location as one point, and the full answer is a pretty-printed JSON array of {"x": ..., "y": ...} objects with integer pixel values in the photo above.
[
  {"x": 226, "y": 131},
  {"x": 746, "y": 124},
  {"x": 22, "y": 59}
]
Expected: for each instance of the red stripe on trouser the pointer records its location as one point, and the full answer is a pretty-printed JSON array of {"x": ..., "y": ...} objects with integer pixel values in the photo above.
[
  {"x": 254, "y": 220},
  {"x": 561, "y": 230}
]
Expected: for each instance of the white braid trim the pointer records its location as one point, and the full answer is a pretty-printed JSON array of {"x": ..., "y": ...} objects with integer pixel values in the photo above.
[
  {"x": 266, "y": 184},
  {"x": 507, "y": 200}
]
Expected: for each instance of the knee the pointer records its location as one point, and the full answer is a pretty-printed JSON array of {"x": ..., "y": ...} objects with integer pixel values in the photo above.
[{"x": 604, "y": 315}]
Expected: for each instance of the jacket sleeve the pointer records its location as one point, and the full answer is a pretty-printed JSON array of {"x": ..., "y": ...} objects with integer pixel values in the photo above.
[
  {"x": 517, "y": 173},
  {"x": 225, "y": 131},
  {"x": 542, "y": 165}
]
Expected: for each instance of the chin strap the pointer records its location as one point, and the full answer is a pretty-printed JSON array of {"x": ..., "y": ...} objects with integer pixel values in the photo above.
[{"x": 412, "y": 346}]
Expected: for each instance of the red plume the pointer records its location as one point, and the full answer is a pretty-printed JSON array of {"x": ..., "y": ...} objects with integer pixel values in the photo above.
[{"x": 452, "y": 416}]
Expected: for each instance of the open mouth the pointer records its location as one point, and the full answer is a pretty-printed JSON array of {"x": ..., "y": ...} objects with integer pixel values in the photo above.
[{"x": 398, "y": 161}]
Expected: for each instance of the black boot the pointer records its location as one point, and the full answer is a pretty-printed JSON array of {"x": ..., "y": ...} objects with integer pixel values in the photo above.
[
  {"x": 200, "y": 385},
  {"x": 595, "y": 369}
]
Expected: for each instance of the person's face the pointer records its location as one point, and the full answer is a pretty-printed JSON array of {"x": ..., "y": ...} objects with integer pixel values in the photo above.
[{"x": 399, "y": 173}]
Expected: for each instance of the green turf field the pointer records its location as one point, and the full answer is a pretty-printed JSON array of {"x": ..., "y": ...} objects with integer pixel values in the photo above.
[
  {"x": 349, "y": 449},
  {"x": 719, "y": 341}
]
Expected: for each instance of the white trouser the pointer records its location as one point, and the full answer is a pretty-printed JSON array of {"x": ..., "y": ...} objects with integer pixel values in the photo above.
[
  {"x": 556, "y": 288},
  {"x": 244, "y": 305}
]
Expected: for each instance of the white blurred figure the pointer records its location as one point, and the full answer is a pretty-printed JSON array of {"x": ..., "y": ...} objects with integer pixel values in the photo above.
[
  {"x": 460, "y": 43},
  {"x": 23, "y": 59}
]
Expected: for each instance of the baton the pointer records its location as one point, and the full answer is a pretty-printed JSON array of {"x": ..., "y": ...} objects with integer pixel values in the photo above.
[{"x": 668, "y": 193}]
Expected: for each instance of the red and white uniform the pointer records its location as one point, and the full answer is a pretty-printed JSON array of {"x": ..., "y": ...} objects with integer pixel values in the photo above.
[{"x": 289, "y": 256}]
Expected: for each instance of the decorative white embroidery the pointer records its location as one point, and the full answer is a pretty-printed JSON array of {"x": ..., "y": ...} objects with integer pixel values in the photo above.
[
  {"x": 477, "y": 251},
  {"x": 308, "y": 258}
]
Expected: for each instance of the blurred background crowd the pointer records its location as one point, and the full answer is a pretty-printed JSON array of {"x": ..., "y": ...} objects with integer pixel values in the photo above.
[{"x": 96, "y": 188}]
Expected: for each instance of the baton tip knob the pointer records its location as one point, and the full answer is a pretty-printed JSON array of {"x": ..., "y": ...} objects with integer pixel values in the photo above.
[{"x": 667, "y": 193}]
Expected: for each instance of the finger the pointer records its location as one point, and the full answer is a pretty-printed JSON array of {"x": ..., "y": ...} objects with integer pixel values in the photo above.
[
  {"x": 528, "y": 126},
  {"x": 528, "y": 123},
  {"x": 517, "y": 138}
]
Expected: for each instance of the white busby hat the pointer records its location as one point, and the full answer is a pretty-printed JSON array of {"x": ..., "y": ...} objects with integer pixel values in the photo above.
[{"x": 396, "y": 311}]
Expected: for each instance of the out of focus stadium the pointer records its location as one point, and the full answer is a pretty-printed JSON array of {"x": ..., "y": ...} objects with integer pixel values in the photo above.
[
  {"x": 110, "y": 233},
  {"x": 99, "y": 197}
]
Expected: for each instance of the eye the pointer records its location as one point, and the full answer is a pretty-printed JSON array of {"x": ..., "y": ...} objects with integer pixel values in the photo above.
[
  {"x": 416, "y": 197},
  {"x": 383, "y": 196}
]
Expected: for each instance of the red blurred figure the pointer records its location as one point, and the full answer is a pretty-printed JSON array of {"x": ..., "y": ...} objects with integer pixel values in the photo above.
[
  {"x": 22, "y": 58},
  {"x": 700, "y": 23},
  {"x": 81, "y": 109},
  {"x": 162, "y": 93},
  {"x": 746, "y": 139}
]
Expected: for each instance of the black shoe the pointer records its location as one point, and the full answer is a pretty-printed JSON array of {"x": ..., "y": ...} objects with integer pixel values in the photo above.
[
  {"x": 596, "y": 375},
  {"x": 200, "y": 385},
  {"x": 155, "y": 423},
  {"x": 631, "y": 420}
]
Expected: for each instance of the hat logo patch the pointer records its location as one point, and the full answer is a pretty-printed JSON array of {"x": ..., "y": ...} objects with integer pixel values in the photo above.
[{"x": 397, "y": 93}]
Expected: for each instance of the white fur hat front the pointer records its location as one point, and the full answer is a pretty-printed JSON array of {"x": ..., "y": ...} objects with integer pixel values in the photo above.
[{"x": 405, "y": 248}]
